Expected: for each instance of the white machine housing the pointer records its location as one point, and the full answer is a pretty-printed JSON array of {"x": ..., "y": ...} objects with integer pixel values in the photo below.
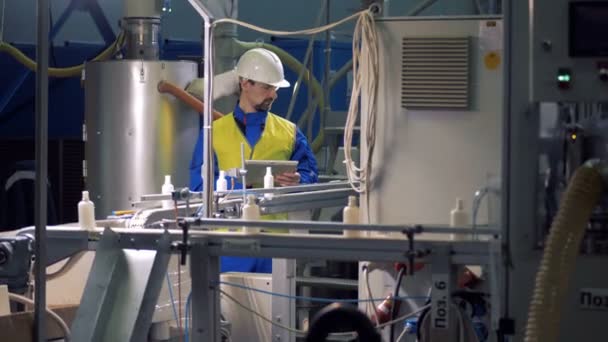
[{"x": 446, "y": 148}]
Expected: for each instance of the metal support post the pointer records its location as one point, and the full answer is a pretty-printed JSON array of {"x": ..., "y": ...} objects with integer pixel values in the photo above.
[
  {"x": 207, "y": 169},
  {"x": 42, "y": 111},
  {"x": 205, "y": 273},
  {"x": 327, "y": 70},
  {"x": 283, "y": 309}
]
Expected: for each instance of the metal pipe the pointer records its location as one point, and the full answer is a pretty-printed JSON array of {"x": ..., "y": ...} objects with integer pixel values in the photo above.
[
  {"x": 203, "y": 325},
  {"x": 505, "y": 201},
  {"x": 207, "y": 169},
  {"x": 282, "y": 190},
  {"x": 311, "y": 104},
  {"x": 207, "y": 222},
  {"x": 327, "y": 70},
  {"x": 42, "y": 92},
  {"x": 312, "y": 196},
  {"x": 243, "y": 173},
  {"x": 207, "y": 121},
  {"x": 293, "y": 189}
]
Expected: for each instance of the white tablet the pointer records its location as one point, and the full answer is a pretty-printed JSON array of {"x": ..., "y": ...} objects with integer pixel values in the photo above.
[{"x": 256, "y": 169}]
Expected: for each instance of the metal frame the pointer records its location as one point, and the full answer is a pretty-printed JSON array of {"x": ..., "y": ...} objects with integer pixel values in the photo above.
[
  {"x": 96, "y": 12},
  {"x": 205, "y": 248},
  {"x": 330, "y": 247}
]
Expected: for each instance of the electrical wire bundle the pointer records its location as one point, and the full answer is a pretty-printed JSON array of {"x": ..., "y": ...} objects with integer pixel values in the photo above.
[{"x": 365, "y": 82}]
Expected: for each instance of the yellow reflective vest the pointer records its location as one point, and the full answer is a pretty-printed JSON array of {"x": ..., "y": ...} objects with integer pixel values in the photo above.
[{"x": 276, "y": 143}]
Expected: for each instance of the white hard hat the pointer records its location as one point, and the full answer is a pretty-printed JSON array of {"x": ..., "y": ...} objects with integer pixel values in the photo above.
[{"x": 263, "y": 66}]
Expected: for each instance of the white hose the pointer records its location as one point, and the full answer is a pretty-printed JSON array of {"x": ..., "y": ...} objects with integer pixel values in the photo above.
[{"x": 26, "y": 301}]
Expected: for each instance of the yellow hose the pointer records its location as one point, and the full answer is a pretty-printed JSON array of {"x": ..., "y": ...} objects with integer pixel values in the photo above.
[
  {"x": 72, "y": 71},
  {"x": 559, "y": 257},
  {"x": 295, "y": 65}
]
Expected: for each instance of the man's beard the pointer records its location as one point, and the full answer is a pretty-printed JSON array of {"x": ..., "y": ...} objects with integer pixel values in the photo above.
[{"x": 264, "y": 106}]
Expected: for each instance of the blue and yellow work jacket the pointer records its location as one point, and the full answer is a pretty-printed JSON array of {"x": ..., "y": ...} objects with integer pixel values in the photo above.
[{"x": 266, "y": 137}]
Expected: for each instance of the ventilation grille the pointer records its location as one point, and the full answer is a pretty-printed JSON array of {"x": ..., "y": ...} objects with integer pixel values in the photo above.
[{"x": 435, "y": 72}]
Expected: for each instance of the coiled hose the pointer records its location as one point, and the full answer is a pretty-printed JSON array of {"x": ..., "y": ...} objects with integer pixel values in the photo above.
[
  {"x": 71, "y": 71},
  {"x": 563, "y": 244}
]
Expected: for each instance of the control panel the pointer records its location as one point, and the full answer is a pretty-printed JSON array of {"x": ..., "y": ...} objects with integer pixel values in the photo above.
[{"x": 569, "y": 51}]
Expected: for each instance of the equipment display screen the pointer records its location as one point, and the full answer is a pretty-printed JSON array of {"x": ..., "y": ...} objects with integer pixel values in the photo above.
[{"x": 588, "y": 29}]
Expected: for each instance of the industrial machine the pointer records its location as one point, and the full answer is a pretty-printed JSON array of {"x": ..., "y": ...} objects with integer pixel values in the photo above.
[
  {"x": 555, "y": 108},
  {"x": 440, "y": 116},
  {"x": 133, "y": 134}
]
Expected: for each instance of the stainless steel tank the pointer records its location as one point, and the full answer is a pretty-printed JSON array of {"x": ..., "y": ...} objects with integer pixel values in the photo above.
[{"x": 134, "y": 135}]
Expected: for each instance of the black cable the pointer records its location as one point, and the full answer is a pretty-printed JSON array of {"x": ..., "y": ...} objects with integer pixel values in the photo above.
[{"x": 395, "y": 296}]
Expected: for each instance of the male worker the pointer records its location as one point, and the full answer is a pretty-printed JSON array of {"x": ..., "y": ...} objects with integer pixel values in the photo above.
[{"x": 266, "y": 137}]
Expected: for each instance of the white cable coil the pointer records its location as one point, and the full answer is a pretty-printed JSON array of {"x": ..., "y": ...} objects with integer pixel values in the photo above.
[{"x": 365, "y": 77}]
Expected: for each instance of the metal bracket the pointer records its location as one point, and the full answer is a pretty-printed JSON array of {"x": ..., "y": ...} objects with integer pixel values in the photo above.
[
  {"x": 183, "y": 246},
  {"x": 441, "y": 294},
  {"x": 205, "y": 272},
  {"x": 283, "y": 309},
  {"x": 122, "y": 290}
]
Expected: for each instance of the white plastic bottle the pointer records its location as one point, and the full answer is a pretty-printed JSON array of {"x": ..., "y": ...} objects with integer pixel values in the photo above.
[
  {"x": 458, "y": 219},
  {"x": 221, "y": 184},
  {"x": 86, "y": 212},
  {"x": 268, "y": 182},
  {"x": 167, "y": 189},
  {"x": 350, "y": 215},
  {"x": 251, "y": 211}
]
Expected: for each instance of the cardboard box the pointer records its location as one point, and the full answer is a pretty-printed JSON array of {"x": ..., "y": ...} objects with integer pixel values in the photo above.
[{"x": 19, "y": 327}]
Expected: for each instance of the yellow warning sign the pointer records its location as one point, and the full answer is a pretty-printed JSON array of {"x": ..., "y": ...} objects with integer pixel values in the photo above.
[{"x": 492, "y": 60}]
